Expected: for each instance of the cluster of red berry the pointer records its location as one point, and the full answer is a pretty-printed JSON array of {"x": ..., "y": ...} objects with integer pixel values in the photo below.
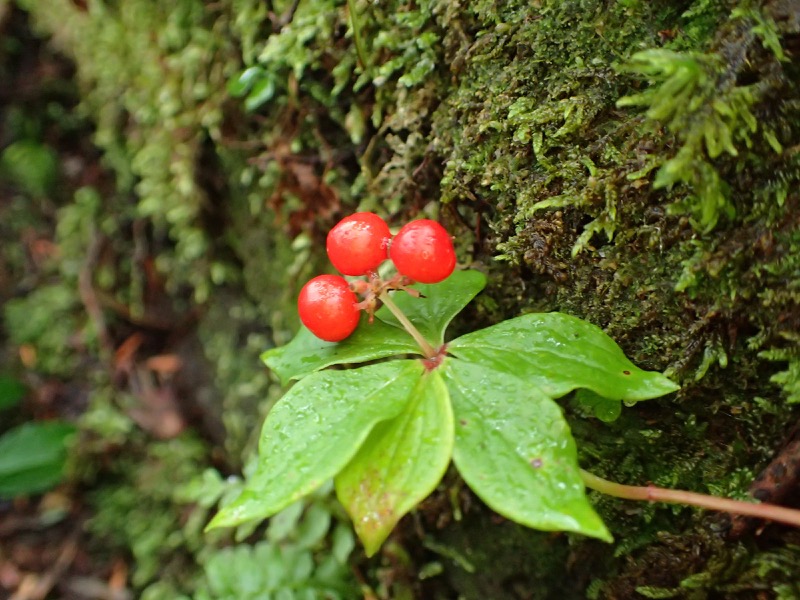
[{"x": 421, "y": 251}]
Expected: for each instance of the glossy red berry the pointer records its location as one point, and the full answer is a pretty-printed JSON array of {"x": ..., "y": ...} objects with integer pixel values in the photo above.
[
  {"x": 327, "y": 307},
  {"x": 358, "y": 243},
  {"x": 423, "y": 251}
]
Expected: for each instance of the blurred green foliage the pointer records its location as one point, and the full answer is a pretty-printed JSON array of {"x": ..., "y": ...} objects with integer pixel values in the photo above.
[
  {"x": 12, "y": 391},
  {"x": 32, "y": 457},
  {"x": 30, "y": 165},
  {"x": 46, "y": 319},
  {"x": 136, "y": 509},
  {"x": 166, "y": 83}
]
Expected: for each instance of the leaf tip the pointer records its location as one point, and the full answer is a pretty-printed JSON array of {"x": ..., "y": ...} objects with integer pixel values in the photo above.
[
  {"x": 374, "y": 534},
  {"x": 604, "y": 535},
  {"x": 667, "y": 384},
  {"x": 371, "y": 547},
  {"x": 246, "y": 507},
  {"x": 219, "y": 521}
]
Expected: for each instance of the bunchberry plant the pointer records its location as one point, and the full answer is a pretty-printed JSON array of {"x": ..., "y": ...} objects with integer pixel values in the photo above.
[{"x": 386, "y": 432}]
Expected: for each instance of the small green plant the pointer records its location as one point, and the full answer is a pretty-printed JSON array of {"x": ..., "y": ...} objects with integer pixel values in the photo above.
[
  {"x": 386, "y": 432},
  {"x": 304, "y": 557}
]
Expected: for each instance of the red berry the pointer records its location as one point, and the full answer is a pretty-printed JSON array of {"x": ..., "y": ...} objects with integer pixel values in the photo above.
[
  {"x": 327, "y": 307},
  {"x": 358, "y": 243},
  {"x": 423, "y": 251}
]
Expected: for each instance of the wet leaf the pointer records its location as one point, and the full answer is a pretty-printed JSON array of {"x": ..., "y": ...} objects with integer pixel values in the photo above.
[
  {"x": 315, "y": 430},
  {"x": 399, "y": 464},
  {"x": 306, "y": 353},
  {"x": 442, "y": 301},
  {"x": 515, "y": 450},
  {"x": 558, "y": 353}
]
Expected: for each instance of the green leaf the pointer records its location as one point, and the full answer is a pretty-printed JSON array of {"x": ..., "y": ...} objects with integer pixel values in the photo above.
[
  {"x": 342, "y": 544},
  {"x": 282, "y": 525},
  {"x": 604, "y": 409},
  {"x": 315, "y": 525},
  {"x": 32, "y": 457},
  {"x": 558, "y": 353},
  {"x": 515, "y": 451},
  {"x": 384, "y": 337},
  {"x": 11, "y": 392},
  {"x": 399, "y": 464},
  {"x": 443, "y": 301},
  {"x": 306, "y": 353},
  {"x": 315, "y": 430}
]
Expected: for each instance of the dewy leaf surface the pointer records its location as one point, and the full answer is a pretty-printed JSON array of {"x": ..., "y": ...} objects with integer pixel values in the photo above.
[
  {"x": 558, "y": 353},
  {"x": 515, "y": 451},
  {"x": 315, "y": 430},
  {"x": 442, "y": 301},
  {"x": 307, "y": 353},
  {"x": 399, "y": 464}
]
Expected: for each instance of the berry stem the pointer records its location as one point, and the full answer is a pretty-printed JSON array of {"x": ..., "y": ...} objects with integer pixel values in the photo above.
[
  {"x": 426, "y": 348},
  {"x": 652, "y": 493}
]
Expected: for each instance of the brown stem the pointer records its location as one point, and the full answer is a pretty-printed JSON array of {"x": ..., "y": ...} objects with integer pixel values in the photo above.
[
  {"x": 426, "y": 348},
  {"x": 651, "y": 493}
]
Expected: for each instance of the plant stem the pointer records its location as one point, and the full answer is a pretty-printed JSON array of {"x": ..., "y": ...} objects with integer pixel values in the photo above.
[
  {"x": 426, "y": 348},
  {"x": 651, "y": 493},
  {"x": 357, "y": 41}
]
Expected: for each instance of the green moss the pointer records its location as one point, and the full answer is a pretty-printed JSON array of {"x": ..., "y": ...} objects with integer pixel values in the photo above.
[
  {"x": 45, "y": 321},
  {"x": 136, "y": 509},
  {"x": 536, "y": 92},
  {"x": 567, "y": 194}
]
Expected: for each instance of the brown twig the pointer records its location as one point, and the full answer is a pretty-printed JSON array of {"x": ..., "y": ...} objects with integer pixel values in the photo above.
[{"x": 89, "y": 297}]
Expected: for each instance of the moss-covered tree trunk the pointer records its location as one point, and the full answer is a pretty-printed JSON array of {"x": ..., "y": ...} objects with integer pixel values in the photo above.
[{"x": 632, "y": 163}]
